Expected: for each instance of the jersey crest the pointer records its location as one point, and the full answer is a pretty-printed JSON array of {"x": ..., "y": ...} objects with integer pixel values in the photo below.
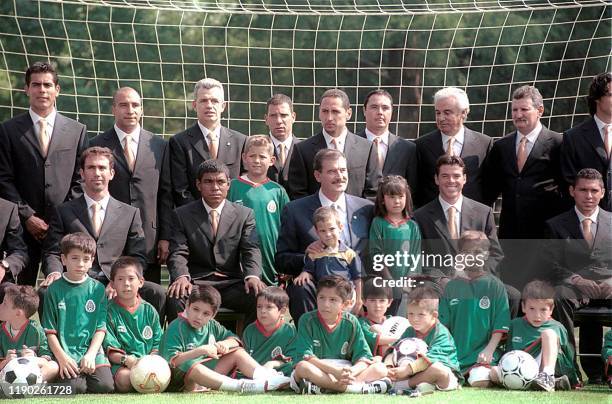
[
  {"x": 271, "y": 207},
  {"x": 344, "y": 349},
  {"x": 90, "y": 306},
  {"x": 517, "y": 339},
  {"x": 276, "y": 352},
  {"x": 61, "y": 306},
  {"x": 147, "y": 333},
  {"x": 484, "y": 303}
]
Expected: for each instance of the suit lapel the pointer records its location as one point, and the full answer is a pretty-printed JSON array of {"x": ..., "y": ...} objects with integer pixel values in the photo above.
[
  {"x": 144, "y": 144},
  {"x": 439, "y": 219},
  {"x": 593, "y": 136},
  {"x": 575, "y": 229},
  {"x": 196, "y": 138},
  {"x": 539, "y": 147},
  {"x": 26, "y": 126},
  {"x": 58, "y": 134},
  {"x": 470, "y": 145},
  {"x": 604, "y": 230},
  {"x": 111, "y": 216},
  {"x": 201, "y": 216},
  {"x": 466, "y": 216},
  {"x": 112, "y": 140},
  {"x": 392, "y": 140},
  {"x": 80, "y": 211},
  {"x": 434, "y": 144},
  {"x": 228, "y": 215}
]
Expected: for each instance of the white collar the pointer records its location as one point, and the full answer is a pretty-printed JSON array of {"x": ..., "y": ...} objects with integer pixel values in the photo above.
[
  {"x": 74, "y": 282},
  {"x": 531, "y": 136},
  {"x": 384, "y": 137},
  {"x": 340, "y": 203},
  {"x": 600, "y": 123},
  {"x": 121, "y": 134},
  {"x": 287, "y": 142},
  {"x": 581, "y": 217},
  {"x": 49, "y": 118},
  {"x": 446, "y": 205},
  {"x": 218, "y": 209},
  {"x": 459, "y": 137},
  {"x": 102, "y": 202},
  {"x": 340, "y": 140}
]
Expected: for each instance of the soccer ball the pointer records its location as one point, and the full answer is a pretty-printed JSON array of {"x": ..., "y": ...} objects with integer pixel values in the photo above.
[
  {"x": 150, "y": 375},
  {"x": 517, "y": 369},
  {"x": 395, "y": 326},
  {"x": 20, "y": 372},
  {"x": 408, "y": 350}
]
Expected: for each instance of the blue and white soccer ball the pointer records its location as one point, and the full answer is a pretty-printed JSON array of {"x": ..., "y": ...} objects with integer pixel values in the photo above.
[
  {"x": 517, "y": 370},
  {"x": 20, "y": 372},
  {"x": 408, "y": 350}
]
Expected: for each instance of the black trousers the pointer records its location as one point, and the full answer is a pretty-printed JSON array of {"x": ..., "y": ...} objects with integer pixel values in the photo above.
[
  {"x": 99, "y": 382},
  {"x": 302, "y": 299},
  {"x": 29, "y": 273}
]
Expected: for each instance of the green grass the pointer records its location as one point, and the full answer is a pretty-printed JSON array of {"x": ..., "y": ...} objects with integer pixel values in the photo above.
[{"x": 590, "y": 395}]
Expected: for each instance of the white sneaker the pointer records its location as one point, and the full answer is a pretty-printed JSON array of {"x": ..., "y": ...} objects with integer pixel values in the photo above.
[
  {"x": 277, "y": 382},
  {"x": 377, "y": 387},
  {"x": 295, "y": 386},
  {"x": 253, "y": 386}
]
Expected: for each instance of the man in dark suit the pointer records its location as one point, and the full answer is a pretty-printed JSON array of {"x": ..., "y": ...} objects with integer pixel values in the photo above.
[
  {"x": 279, "y": 119},
  {"x": 589, "y": 145},
  {"x": 524, "y": 167},
  {"x": 214, "y": 242},
  {"x": 580, "y": 255},
  {"x": 142, "y": 175},
  {"x": 114, "y": 225},
  {"x": 205, "y": 140},
  {"x": 452, "y": 137},
  {"x": 334, "y": 111},
  {"x": 13, "y": 250},
  {"x": 298, "y": 235},
  {"x": 39, "y": 153},
  {"x": 392, "y": 154}
]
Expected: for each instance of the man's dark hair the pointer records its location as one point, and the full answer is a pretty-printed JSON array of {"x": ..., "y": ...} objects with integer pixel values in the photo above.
[
  {"x": 213, "y": 166},
  {"x": 41, "y": 67},
  {"x": 279, "y": 99},
  {"x": 98, "y": 151},
  {"x": 590, "y": 174},
  {"x": 379, "y": 91},
  {"x": 326, "y": 154},
  {"x": 446, "y": 160},
  {"x": 597, "y": 89}
]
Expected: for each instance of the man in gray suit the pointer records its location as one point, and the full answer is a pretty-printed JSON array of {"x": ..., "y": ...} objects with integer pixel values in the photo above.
[
  {"x": 39, "y": 154},
  {"x": 142, "y": 175},
  {"x": 13, "y": 251},
  {"x": 205, "y": 140},
  {"x": 392, "y": 154},
  {"x": 452, "y": 138}
]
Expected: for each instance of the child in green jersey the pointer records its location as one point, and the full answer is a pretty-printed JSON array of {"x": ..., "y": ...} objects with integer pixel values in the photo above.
[
  {"x": 267, "y": 199},
  {"x": 74, "y": 319},
  {"x": 201, "y": 352},
  {"x": 376, "y": 301},
  {"x": 21, "y": 336},
  {"x": 270, "y": 340},
  {"x": 132, "y": 324},
  {"x": 331, "y": 351},
  {"x": 438, "y": 368},
  {"x": 474, "y": 308},
  {"x": 606, "y": 355},
  {"x": 543, "y": 338}
]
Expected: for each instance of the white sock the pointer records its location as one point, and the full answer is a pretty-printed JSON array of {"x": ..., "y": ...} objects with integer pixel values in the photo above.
[
  {"x": 549, "y": 370},
  {"x": 229, "y": 384},
  {"x": 261, "y": 372},
  {"x": 355, "y": 388}
]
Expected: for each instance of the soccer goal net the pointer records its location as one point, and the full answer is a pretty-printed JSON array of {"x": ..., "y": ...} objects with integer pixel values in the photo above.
[{"x": 303, "y": 47}]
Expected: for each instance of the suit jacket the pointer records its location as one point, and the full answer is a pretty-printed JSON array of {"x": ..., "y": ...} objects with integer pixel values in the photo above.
[
  {"x": 12, "y": 246},
  {"x": 436, "y": 238},
  {"x": 148, "y": 188},
  {"x": 570, "y": 254},
  {"x": 195, "y": 252},
  {"x": 401, "y": 160},
  {"x": 298, "y": 231},
  {"x": 530, "y": 197},
  {"x": 121, "y": 234},
  {"x": 189, "y": 149},
  {"x": 476, "y": 146},
  {"x": 583, "y": 147},
  {"x": 278, "y": 173},
  {"x": 35, "y": 183},
  {"x": 301, "y": 168}
]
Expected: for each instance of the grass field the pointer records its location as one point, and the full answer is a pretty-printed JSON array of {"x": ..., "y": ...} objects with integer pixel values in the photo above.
[{"x": 589, "y": 395}]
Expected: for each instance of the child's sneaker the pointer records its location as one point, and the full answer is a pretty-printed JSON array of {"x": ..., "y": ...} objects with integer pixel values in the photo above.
[
  {"x": 310, "y": 388},
  {"x": 562, "y": 383},
  {"x": 377, "y": 387},
  {"x": 425, "y": 388},
  {"x": 253, "y": 386},
  {"x": 277, "y": 382},
  {"x": 543, "y": 382}
]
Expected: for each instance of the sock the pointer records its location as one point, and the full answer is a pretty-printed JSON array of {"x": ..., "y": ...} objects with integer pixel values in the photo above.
[
  {"x": 355, "y": 388},
  {"x": 261, "y": 372},
  {"x": 549, "y": 370},
  {"x": 229, "y": 384}
]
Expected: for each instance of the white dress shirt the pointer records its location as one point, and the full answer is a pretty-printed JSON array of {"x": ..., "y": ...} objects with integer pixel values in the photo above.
[
  {"x": 103, "y": 205},
  {"x": 340, "y": 140},
  {"x": 531, "y": 139},
  {"x": 457, "y": 145},
  {"x": 384, "y": 141},
  {"x": 134, "y": 141},
  {"x": 50, "y": 119}
]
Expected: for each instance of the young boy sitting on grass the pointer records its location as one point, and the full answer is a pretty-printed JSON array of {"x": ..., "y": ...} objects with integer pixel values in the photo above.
[
  {"x": 474, "y": 308},
  {"x": 543, "y": 338},
  {"x": 132, "y": 324},
  {"x": 74, "y": 319},
  {"x": 21, "y": 336},
  {"x": 201, "y": 352},
  {"x": 332, "y": 353},
  {"x": 270, "y": 340},
  {"x": 376, "y": 301}
]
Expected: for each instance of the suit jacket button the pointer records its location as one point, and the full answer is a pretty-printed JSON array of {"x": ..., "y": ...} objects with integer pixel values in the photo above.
[{"x": 47, "y": 185}]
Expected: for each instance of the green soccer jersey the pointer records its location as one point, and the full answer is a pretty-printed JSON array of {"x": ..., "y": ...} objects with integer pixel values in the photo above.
[
  {"x": 181, "y": 337},
  {"x": 606, "y": 352},
  {"x": 440, "y": 346},
  {"x": 387, "y": 238},
  {"x": 74, "y": 312},
  {"x": 525, "y": 337},
  {"x": 370, "y": 336},
  {"x": 278, "y": 345},
  {"x": 343, "y": 341},
  {"x": 30, "y": 334},
  {"x": 267, "y": 201},
  {"x": 473, "y": 310}
]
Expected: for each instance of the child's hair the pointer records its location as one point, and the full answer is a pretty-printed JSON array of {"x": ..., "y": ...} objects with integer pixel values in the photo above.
[
  {"x": 206, "y": 294},
  {"x": 424, "y": 297},
  {"x": 392, "y": 185},
  {"x": 370, "y": 291},
  {"x": 78, "y": 241},
  {"x": 539, "y": 290},
  {"x": 343, "y": 287},
  {"x": 23, "y": 297},
  {"x": 276, "y": 295},
  {"x": 473, "y": 241},
  {"x": 257, "y": 141},
  {"x": 323, "y": 214},
  {"x": 126, "y": 262}
]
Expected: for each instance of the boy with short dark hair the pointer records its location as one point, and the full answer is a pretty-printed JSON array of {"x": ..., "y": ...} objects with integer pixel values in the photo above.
[
  {"x": 474, "y": 308},
  {"x": 74, "y": 319},
  {"x": 332, "y": 353},
  {"x": 376, "y": 301},
  {"x": 132, "y": 325},
  {"x": 270, "y": 340},
  {"x": 21, "y": 336},
  {"x": 201, "y": 352}
]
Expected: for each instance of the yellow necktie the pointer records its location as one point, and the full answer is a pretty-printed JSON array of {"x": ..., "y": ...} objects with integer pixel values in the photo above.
[
  {"x": 521, "y": 156},
  {"x": 452, "y": 225},
  {"x": 334, "y": 144},
  {"x": 127, "y": 151},
  {"x": 586, "y": 231},
  {"x": 281, "y": 154},
  {"x": 214, "y": 222},
  {"x": 450, "y": 150},
  {"x": 95, "y": 218},
  {"x": 379, "y": 152},
  {"x": 43, "y": 137},
  {"x": 213, "y": 145}
]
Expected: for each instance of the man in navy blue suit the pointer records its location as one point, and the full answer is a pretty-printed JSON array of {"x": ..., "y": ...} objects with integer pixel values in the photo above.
[{"x": 298, "y": 235}]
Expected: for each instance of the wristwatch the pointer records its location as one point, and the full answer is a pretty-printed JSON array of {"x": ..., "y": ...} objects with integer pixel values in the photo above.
[{"x": 123, "y": 360}]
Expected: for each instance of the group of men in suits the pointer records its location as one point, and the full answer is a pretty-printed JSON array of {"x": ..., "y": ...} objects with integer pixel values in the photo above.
[{"x": 164, "y": 202}]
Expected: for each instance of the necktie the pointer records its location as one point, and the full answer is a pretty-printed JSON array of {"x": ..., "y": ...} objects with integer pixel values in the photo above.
[
  {"x": 521, "y": 156},
  {"x": 43, "y": 138},
  {"x": 334, "y": 144},
  {"x": 214, "y": 222},
  {"x": 213, "y": 145},
  {"x": 586, "y": 231},
  {"x": 95, "y": 218},
  {"x": 281, "y": 154},
  {"x": 450, "y": 150},
  {"x": 452, "y": 225},
  {"x": 127, "y": 151},
  {"x": 607, "y": 140},
  {"x": 379, "y": 152}
]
